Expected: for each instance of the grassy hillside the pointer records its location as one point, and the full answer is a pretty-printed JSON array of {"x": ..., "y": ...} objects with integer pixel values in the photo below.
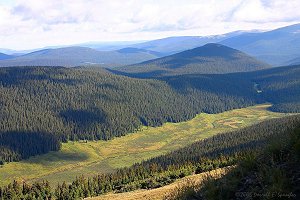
[
  {"x": 208, "y": 59},
  {"x": 163, "y": 192},
  {"x": 89, "y": 158}
]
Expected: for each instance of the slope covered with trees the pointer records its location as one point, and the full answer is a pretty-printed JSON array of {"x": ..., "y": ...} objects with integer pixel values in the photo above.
[
  {"x": 64, "y": 104},
  {"x": 73, "y": 104},
  {"x": 272, "y": 173},
  {"x": 208, "y": 59},
  {"x": 279, "y": 86}
]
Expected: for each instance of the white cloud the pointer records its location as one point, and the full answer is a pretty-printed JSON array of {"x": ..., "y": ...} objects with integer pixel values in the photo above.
[
  {"x": 267, "y": 11},
  {"x": 35, "y": 23}
]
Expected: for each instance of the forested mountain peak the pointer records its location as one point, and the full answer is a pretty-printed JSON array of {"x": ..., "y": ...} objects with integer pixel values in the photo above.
[
  {"x": 208, "y": 59},
  {"x": 211, "y": 49}
]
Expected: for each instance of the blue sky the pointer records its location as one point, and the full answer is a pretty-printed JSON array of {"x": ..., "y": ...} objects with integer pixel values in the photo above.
[{"x": 26, "y": 24}]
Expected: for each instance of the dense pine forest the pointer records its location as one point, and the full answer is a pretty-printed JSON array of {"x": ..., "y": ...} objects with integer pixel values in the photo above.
[
  {"x": 219, "y": 151},
  {"x": 279, "y": 86},
  {"x": 61, "y": 104}
]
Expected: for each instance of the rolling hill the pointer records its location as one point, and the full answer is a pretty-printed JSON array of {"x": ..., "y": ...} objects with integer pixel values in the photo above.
[
  {"x": 208, "y": 59},
  {"x": 275, "y": 47},
  {"x": 75, "y": 56},
  {"x": 5, "y": 56}
]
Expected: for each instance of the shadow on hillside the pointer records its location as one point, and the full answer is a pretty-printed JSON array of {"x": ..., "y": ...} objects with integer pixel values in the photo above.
[
  {"x": 54, "y": 157},
  {"x": 19, "y": 75},
  {"x": 84, "y": 118}
]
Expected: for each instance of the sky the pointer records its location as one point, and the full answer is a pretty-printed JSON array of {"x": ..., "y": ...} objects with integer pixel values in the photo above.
[{"x": 29, "y": 24}]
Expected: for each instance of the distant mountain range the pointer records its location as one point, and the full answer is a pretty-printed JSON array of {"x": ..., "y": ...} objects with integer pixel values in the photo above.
[
  {"x": 295, "y": 61},
  {"x": 178, "y": 44},
  {"x": 275, "y": 47},
  {"x": 209, "y": 59},
  {"x": 75, "y": 56},
  {"x": 5, "y": 56}
]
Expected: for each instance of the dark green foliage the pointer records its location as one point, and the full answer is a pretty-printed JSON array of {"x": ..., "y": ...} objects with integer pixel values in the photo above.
[
  {"x": 279, "y": 86},
  {"x": 8, "y": 155},
  {"x": 17, "y": 145},
  {"x": 18, "y": 191}
]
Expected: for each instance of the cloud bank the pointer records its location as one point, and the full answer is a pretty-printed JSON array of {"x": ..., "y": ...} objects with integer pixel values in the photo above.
[{"x": 34, "y": 23}]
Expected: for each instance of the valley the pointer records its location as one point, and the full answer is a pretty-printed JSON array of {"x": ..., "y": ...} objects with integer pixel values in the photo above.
[
  {"x": 92, "y": 157},
  {"x": 136, "y": 109}
]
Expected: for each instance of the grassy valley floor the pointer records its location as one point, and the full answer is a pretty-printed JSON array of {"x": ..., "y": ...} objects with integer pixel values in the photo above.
[{"x": 92, "y": 157}]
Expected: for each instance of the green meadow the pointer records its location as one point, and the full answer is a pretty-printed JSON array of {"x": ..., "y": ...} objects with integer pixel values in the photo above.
[{"x": 92, "y": 157}]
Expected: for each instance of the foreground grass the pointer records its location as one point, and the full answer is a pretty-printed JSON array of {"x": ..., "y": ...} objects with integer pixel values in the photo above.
[
  {"x": 76, "y": 158},
  {"x": 163, "y": 192}
]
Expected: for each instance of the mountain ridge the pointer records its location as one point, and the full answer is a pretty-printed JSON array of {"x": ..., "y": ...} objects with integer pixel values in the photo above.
[
  {"x": 210, "y": 58},
  {"x": 4, "y": 56},
  {"x": 275, "y": 47},
  {"x": 76, "y": 56}
]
